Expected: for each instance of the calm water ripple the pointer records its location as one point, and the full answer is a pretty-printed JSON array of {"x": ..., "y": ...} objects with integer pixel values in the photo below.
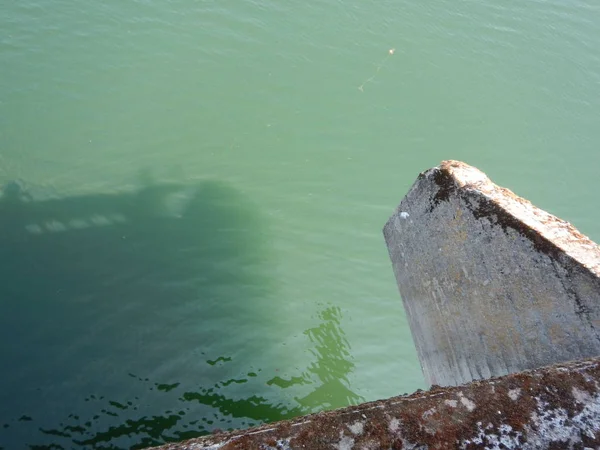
[{"x": 193, "y": 241}]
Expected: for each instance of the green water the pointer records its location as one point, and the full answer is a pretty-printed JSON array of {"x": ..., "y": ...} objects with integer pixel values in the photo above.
[{"x": 200, "y": 244}]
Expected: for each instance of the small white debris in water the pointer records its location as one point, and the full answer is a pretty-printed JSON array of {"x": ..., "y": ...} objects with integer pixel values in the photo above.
[
  {"x": 404, "y": 215},
  {"x": 34, "y": 228},
  {"x": 363, "y": 416}
]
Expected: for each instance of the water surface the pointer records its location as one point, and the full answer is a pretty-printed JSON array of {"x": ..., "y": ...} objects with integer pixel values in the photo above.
[{"x": 200, "y": 244}]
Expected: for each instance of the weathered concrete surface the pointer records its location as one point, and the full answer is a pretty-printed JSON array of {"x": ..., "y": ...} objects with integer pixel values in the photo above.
[
  {"x": 490, "y": 283},
  {"x": 554, "y": 407}
]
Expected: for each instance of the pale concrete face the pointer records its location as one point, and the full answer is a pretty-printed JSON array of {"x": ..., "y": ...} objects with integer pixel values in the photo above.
[{"x": 491, "y": 284}]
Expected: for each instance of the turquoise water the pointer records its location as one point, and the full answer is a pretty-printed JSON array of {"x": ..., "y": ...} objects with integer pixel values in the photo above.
[{"x": 200, "y": 244}]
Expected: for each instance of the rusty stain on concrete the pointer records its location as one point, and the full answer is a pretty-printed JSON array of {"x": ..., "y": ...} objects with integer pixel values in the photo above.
[
  {"x": 491, "y": 284},
  {"x": 558, "y": 407}
]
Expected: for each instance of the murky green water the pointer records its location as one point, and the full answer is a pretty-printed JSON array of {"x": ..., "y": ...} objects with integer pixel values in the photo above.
[{"x": 196, "y": 240}]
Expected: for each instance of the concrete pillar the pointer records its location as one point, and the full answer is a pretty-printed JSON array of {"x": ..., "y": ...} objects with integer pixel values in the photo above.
[{"x": 491, "y": 284}]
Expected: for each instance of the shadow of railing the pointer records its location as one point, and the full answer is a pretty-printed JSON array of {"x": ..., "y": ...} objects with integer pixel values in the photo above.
[
  {"x": 103, "y": 295},
  {"x": 97, "y": 286}
]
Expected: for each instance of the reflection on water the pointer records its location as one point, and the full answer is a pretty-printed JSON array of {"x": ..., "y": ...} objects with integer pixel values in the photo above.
[
  {"x": 326, "y": 376},
  {"x": 330, "y": 371},
  {"x": 134, "y": 318},
  {"x": 332, "y": 367}
]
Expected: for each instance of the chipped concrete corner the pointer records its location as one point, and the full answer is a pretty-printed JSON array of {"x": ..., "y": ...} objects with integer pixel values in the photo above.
[
  {"x": 491, "y": 284},
  {"x": 553, "y": 407}
]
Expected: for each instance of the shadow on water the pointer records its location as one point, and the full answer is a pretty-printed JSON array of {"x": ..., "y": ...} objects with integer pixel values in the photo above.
[{"x": 102, "y": 296}]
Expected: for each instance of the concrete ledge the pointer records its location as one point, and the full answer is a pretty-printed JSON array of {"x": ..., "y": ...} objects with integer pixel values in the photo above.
[
  {"x": 553, "y": 407},
  {"x": 491, "y": 284}
]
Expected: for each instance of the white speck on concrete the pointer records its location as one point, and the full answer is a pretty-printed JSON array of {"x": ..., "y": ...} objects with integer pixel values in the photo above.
[
  {"x": 346, "y": 442},
  {"x": 466, "y": 402},
  {"x": 546, "y": 426},
  {"x": 282, "y": 444},
  {"x": 451, "y": 403},
  {"x": 394, "y": 425},
  {"x": 356, "y": 428},
  {"x": 514, "y": 394},
  {"x": 490, "y": 438},
  {"x": 428, "y": 413},
  {"x": 404, "y": 215},
  {"x": 580, "y": 396}
]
